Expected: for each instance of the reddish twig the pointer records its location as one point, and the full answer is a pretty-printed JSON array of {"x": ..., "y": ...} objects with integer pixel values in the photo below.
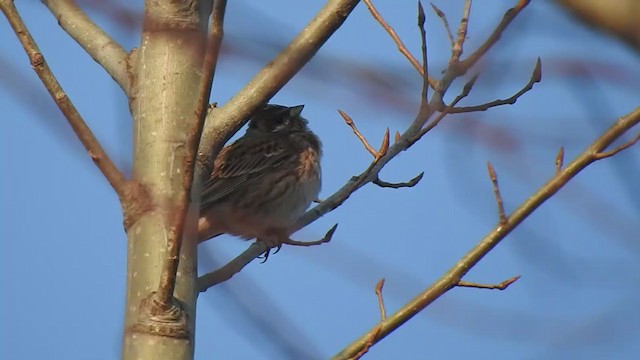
[
  {"x": 396, "y": 39},
  {"x": 375, "y": 153},
  {"x": 502, "y": 286},
  {"x": 383, "y": 310},
  {"x": 375, "y": 332},
  {"x": 443, "y": 17},
  {"x": 496, "y": 191},
  {"x": 83, "y": 132}
]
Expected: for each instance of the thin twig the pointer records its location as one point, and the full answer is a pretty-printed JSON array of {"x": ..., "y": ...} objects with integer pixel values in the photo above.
[
  {"x": 443, "y": 17},
  {"x": 559, "y": 159},
  {"x": 352, "y": 125},
  {"x": 606, "y": 154},
  {"x": 375, "y": 331},
  {"x": 411, "y": 183},
  {"x": 501, "y": 286},
  {"x": 425, "y": 58},
  {"x": 383, "y": 310},
  {"x": 496, "y": 192},
  {"x": 451, "y": 278},
  {"x": 396, "y": 39},
  {"x": 327, "y": 238},
  {"x": 95, "y": 41},
  {"x": 536, "y": 77},
  {"x": 82, "y": 131},
  {"x": 457, "y": 49}
]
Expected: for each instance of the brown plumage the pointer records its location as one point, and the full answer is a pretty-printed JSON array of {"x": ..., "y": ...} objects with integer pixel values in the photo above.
[{"x": 262, "y": 182}]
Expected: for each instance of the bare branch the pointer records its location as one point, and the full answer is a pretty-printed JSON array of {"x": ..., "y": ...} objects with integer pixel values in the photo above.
[
  {"x": 402, "y": 142},
  {"x": 559, "y": 159},
  {"x": 82, "y": 131},
  {"x": 396, "y": 39},
  {"x": 95, "y": 41},
  {"x": 411, "y": 183},
  {"x": 536, "y": 77},
  {"x": 443, "y": 17},
  {"x": 352, "y": 125},
  {"x": 496, "y": 191},
  {"x": 452, "y": 277},
  {"x": 502, "y": 286},
  {"x": 231, "y": 268},
  {"x": 606, "y": 154}
]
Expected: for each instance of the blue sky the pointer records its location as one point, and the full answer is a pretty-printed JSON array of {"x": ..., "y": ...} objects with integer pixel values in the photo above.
[{"x": 62, "y": 245}]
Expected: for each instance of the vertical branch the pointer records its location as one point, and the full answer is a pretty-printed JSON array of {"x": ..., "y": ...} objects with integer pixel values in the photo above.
[{"x": 174, "y": 243}]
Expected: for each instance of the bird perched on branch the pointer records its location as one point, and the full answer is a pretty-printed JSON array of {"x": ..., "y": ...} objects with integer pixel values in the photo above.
[{"x": 264, "y": 181}]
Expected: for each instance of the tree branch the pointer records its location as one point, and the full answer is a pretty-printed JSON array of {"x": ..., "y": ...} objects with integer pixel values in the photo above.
[
  {"x": 82, "y": 131},
  {"x": 95, "y": 41},
  {"x": 402, "y": 142},
  {"x": 396, "y": 39},
  {"x": 536, "y": 77},
  {"x": 222, "y": 123},
  {"x": 453, "y": 276}
]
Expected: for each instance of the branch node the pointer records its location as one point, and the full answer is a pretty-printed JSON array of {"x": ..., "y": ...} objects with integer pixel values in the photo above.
[{"x": 605, "y": 154}]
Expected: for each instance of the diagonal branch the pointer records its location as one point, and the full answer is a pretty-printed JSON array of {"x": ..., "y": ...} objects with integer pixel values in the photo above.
[
  {"x": 82, "y": 131},
  {"x": 95, "y": 41},
  {"x": 452, "y": 277},
  {"x": 222, "y": 123},
  {"x": 396, "y": 39}
]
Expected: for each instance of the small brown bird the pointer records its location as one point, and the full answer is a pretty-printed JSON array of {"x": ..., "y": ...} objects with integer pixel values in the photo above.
[{"x": 265, "y": 180}]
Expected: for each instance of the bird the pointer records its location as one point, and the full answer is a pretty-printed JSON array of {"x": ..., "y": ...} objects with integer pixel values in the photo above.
[{"x": 264, "y": 181}]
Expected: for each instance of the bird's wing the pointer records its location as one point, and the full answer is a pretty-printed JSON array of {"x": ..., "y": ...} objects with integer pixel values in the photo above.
[{"x": 240, "y": 164}]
